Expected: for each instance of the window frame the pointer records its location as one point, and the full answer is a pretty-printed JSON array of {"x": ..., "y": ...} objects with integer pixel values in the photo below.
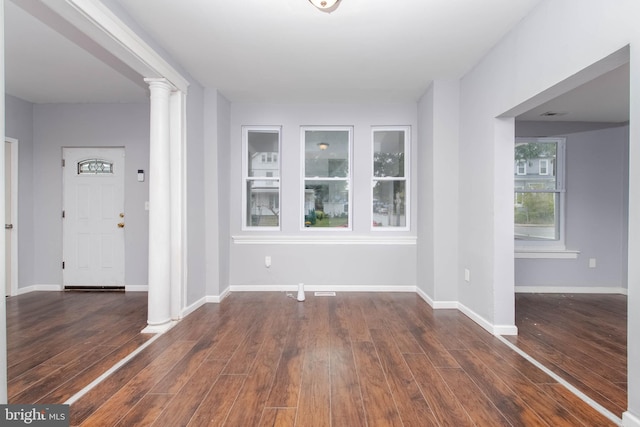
[
  {"x": 559, "y": 244},
  {"x": 406, "y": 178},
  {"x": 246, "y": 178},
  {"x": 348, "y": 179}
]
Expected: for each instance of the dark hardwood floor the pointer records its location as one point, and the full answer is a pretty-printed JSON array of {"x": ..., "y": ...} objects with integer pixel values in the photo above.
[
  {"x": 59, "y": 342},
  {"x": 580, "y": 337},
  {"x": 262, "y": 359}
]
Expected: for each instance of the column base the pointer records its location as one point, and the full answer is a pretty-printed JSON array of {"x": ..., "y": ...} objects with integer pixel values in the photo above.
[{"x": 159, "y": 329}]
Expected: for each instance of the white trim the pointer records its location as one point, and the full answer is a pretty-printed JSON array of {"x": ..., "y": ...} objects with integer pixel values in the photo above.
[
  {"x": 216, "y": 299},
  {"x": 13, "y": 288},
  {"x": 541, "y": 253},
  {"x": 136, "y": 288},
  {"x": 193, "y": 307},
  {"x": 323, "y": 288},
  {"x": 484, "y": 323},
  {"x": 457, "y": 305},
  {"x": 103, "y": 18},
  {"x": 110, "y": 371},
  {"x": 586, "y": 399},
  {"x": 39, "y": 288},
  {"x": 571, "y": 290},
  {"x": 323, "y": 240},
  {"x": 630, "y": 420},
  {"x": 159, "y": 329}
]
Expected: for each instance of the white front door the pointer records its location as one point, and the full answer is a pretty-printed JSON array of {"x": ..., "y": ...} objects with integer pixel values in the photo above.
[{"x": 93, "y": 217}]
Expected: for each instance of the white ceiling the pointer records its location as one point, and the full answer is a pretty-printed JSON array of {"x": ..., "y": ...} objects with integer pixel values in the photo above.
[{"x": 274, "y": 51}]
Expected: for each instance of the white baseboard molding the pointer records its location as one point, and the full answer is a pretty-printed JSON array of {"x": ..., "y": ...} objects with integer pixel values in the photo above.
[
  {"x": 36, "y": 288},
  {"x": 136, "y": 288},
  {"x": 322, "y": 288},
  {"x": 571, "y": 290},
  {"x": 217, "y": 299},
  {"x": 193, "y": 307},
  {"x": 484, "y": 323},
  {"x": 630, "y": 420}
]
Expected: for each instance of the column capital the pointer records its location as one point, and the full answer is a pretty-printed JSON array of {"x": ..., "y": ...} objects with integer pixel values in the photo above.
[{"x": 159, "y": 82}]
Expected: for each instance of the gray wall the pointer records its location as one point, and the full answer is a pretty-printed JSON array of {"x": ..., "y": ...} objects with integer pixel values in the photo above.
[
  {"x": 19, "y": 125},
  {"x": 313, "y": 264},
  {"x": 87, "y": 125},
  {"x": 596, "y": 209}
]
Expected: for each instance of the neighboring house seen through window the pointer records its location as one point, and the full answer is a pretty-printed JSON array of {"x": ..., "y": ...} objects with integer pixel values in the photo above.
[
  {"x": 539, "y": 192},
  {"x": 326, "y": 177},
  {"x": 261, "y": 171}
]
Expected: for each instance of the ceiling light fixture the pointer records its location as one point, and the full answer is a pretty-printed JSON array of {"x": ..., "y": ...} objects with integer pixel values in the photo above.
[
  {"x": 323, "y": 145},
  {"x": 325, "y": 5}
]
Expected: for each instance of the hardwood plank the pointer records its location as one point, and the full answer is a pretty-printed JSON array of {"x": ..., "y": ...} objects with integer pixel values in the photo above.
[
  {"x": 446, "y": 408},
  {"x": 508, "y": 401},
  {"x": 412, "y": 406},
  {"x": 285, "y": 389},
  {"x": 179, "y": 411},
  {"x": 479, "y": 407},
  {"x": 214, "y": 408},
  {"x": 379, "y": 404},
  {"x": 110, "y": 412},
  {"x": 38, "y": 390},
  {"x": 546, "y": 407},
  {"x": 181, "y": 373},
  {"x": 315, "y": 391},
  {"x": 347, "y": 408},
  {"x": 278, "y": 417},
  {"x": 146, "y": 411},
  {"x": 64, "y": 391},
  {"x": 247, "y": 409},
  {"x": 583, "y": 412}
]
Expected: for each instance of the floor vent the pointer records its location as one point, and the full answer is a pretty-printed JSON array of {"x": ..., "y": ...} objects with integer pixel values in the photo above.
[
  {"x": 95, "y": 288},
  {"x": 325, "y": 294}
]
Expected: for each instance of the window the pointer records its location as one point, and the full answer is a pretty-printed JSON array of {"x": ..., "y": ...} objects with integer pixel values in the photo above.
[
  {"x": 261, "y": 171},
  {"x": 390, "y": 185},
  {"x": 94, "y": 167},
  {"x": 544, "y": 167},
  {"x": 326, "y": 171},
  {"x": 539, "y": 196}
]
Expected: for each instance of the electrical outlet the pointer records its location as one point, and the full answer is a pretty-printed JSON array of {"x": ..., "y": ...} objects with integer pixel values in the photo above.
[
  {"x": 267, "y": 261},
  {"x": 467, "y": 275},
  {"x": 592, "y": 263}
]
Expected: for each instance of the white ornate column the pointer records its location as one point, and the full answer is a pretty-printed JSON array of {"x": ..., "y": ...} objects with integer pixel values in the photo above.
[{"x": 159, "y": 306}]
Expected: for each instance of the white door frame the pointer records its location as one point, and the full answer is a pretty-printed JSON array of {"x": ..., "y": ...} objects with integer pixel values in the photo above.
[{"x": 13, "y": 288}]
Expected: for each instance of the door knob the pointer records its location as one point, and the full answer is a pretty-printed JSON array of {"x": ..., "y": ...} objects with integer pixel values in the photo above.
[{"x": 121, "y": 225}]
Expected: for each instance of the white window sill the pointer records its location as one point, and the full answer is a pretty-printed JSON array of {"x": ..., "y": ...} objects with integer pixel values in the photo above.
[
  {"x": 545, "y": 253},
  {"x": 323, "y": 240}
]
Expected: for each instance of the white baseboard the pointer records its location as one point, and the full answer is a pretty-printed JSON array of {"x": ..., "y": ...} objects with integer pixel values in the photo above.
[
  {"x": 571, "y": 290},
  {"x": 322, "y": 288},
  {"x": 484, "y": 323},
  {"x": 36, "y": 288},
  {"x": 193, "y": 307},
  {"x": 630, "y": 420},
  {"x": 136, "y": 288},
  {"x": 216, "y": 299}
]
